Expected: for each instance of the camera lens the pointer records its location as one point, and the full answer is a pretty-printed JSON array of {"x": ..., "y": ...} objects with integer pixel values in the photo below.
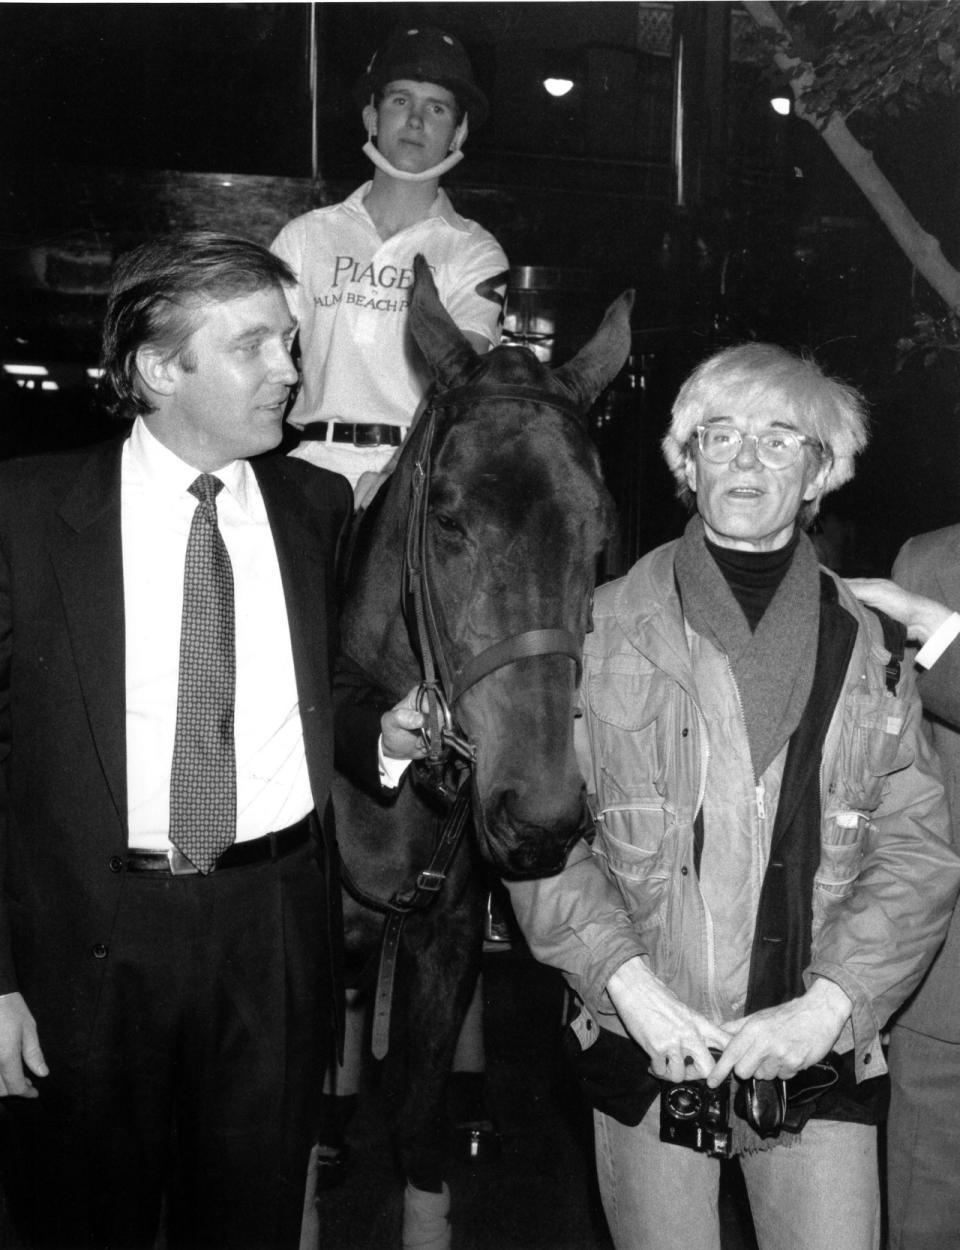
[{"x": 684, "y": 1102}]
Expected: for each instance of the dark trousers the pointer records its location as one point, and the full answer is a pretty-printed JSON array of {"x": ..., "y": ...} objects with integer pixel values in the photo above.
[
  {"x": 923, "y": 1142},
  {"x": 200, "y": 1086}
]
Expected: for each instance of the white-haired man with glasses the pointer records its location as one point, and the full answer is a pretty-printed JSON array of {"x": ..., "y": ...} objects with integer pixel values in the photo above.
[{"x": 771, "y": 870}]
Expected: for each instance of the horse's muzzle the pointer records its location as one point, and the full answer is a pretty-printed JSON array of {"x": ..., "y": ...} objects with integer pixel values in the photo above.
[{"x": 521, "y": 849}]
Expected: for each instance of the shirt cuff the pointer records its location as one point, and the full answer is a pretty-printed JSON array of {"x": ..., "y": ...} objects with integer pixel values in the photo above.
[
  {"x": 938, "y": 641},
  {"x": 391, "y": 770}
]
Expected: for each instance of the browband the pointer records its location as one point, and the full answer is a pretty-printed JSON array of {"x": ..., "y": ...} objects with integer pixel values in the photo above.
[{"x": 532, "y": 393}]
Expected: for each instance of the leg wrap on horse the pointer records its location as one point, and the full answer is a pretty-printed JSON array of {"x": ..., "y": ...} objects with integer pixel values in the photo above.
[{"x": 426, "y": 1224}]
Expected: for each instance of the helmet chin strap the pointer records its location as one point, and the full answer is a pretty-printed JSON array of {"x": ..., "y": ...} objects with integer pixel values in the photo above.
[
  {"x": 404, "y": 175},
  {"x": 454, "y": 157}
]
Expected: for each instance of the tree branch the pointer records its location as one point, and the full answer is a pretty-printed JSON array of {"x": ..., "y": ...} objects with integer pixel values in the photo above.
[{"x": 921, "y": 248}]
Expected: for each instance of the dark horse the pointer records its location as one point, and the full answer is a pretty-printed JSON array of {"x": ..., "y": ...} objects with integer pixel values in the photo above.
[{"x": 514, "y": 516}]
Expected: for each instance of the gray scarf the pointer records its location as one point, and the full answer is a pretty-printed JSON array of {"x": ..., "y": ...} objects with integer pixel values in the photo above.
[{"x": 772, "y": 667}]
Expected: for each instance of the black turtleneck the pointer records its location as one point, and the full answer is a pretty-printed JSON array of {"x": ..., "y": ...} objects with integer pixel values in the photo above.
[{"x": 753, "y": 576}]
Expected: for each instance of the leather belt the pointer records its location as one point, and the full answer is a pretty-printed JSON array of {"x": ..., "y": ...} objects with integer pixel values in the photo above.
[
  {"x": 380, "y": 434},
  {"x": 271, "y": 846}
]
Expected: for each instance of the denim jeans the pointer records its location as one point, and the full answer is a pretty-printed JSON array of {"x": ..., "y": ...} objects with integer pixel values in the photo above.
[{"x": 823, "y": 1191}]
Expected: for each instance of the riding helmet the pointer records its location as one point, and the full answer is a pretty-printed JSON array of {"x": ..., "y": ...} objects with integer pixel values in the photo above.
[{"x": 425, "y": 54}]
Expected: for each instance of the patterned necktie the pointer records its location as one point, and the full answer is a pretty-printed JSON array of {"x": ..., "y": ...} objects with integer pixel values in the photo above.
[{"x": 203, "y": 780}]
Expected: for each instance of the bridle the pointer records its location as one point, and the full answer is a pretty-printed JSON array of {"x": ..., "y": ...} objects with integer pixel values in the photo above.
[
  {"x": 440, "y": 690},
  {"x": 444, "y": 685}
]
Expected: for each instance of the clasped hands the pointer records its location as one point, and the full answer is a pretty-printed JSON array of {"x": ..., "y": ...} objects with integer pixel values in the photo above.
[{"x": 775, "y": 1042}]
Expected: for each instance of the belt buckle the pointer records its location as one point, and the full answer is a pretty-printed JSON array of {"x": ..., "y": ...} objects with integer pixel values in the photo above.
[
  {"x": 180, "y": 866},
  {"x": 431, "y": 880},
  {"x": 367, "y": 435}
]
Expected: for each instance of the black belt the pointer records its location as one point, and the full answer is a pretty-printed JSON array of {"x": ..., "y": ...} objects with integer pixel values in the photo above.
[
  {"x": 379, "y": 435},
  {"x": 254, "y": 851}
]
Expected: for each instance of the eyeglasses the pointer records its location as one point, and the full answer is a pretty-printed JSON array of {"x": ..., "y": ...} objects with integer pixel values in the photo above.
[{"x": 777, "y": 449}]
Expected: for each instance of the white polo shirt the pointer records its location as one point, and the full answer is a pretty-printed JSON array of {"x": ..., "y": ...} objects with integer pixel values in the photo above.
[{"x": 359, "y": 361}]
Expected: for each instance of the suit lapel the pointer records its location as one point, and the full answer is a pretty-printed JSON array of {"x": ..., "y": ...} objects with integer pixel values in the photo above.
[
  {"x": 301, "y": 556},
  {"x": 88, "y": 564}
]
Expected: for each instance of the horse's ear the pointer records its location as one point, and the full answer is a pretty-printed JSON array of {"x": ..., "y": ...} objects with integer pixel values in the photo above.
[
  {"x": 446, "y": 350},
  {"x": 598, "y": 363}
]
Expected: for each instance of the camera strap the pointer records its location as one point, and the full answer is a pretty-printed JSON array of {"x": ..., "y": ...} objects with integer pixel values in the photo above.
[{"x": 769, "y": 1106}]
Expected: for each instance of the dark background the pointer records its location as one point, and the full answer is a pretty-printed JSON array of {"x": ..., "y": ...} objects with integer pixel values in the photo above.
[{"x": 124, "y": 121}]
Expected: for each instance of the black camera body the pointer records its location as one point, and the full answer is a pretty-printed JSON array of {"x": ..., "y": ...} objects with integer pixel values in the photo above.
[{"x": 696, "y": 1116}]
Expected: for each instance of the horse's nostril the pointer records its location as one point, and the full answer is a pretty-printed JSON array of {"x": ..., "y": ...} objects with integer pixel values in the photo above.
[
  {"x": 534, "y": 858},
  {"x": 530, "y": 848}
]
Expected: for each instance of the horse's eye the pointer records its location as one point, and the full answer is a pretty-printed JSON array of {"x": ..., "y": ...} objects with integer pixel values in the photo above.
[{"x": 446, "y": 522}]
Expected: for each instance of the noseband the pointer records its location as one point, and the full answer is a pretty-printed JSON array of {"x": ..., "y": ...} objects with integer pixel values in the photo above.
[{"x": 443, "y": 685}]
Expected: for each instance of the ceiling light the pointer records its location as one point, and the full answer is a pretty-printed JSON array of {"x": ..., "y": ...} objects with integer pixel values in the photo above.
[{"x": 558, "y": 87}]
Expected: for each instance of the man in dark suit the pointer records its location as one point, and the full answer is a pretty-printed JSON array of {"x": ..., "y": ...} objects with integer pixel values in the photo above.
[
  {"x": 169, "y": 916},
  {"x": 923, "y": 1132}
]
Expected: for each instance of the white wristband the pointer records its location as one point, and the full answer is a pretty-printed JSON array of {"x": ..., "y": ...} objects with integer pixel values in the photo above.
[{"x": 938, "y": 641}]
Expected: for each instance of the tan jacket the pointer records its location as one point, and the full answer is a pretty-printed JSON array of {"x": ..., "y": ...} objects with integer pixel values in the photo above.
[{"x": 887, "y": 876}]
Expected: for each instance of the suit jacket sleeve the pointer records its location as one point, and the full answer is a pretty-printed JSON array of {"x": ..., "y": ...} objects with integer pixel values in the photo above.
[
  {"x": 919, "y": 570},
  {"x": 358, "y": 705},
  {"x": 8, "y": 981}
]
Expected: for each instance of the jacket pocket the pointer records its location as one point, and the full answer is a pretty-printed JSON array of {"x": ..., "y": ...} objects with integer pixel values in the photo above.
[
  {"x": 639, "y": 846},
  {"x": 871, "y": 749},
  {"x": 841, "y": 855},
  {"x": 629, "y": 727}
]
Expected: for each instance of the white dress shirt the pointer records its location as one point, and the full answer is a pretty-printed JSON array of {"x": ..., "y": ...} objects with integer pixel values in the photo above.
[
  {"x": 352, "y": 299},
  {"x": 938, "y": 641},
  {"x": 273, "y": 788}
]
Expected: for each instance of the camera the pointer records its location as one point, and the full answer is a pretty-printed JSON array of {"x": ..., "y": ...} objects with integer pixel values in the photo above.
[{"x": 696, "y": 1116}]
